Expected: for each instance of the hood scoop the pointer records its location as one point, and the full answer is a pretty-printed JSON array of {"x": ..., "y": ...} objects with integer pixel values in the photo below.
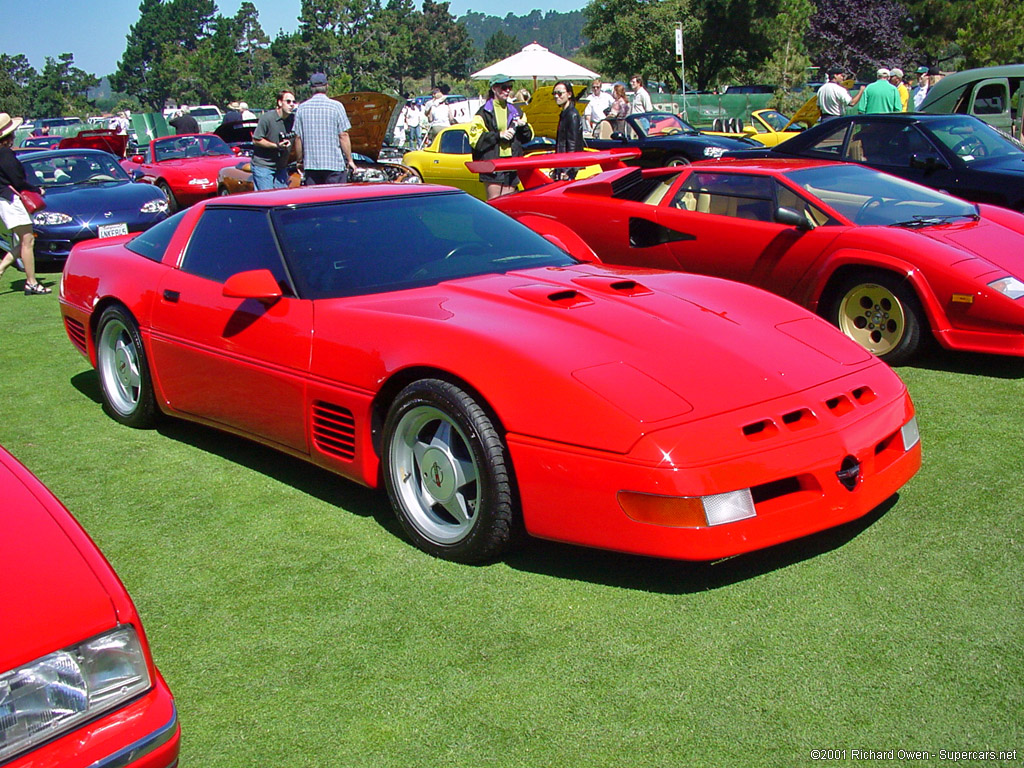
[{"x": 564, "y": 298}]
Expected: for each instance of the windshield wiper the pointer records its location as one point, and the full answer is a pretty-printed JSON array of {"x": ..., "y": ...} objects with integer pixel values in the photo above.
[{"x": 921, "y": 220}]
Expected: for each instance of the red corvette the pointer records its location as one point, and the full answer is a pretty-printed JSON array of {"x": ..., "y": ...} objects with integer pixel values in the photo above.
[
  {"x": 887, "y": 260},
  {"x": 78, "y": 686},
  {"x": 413, "y": 336},
  {"x": 185, "y": 167}
]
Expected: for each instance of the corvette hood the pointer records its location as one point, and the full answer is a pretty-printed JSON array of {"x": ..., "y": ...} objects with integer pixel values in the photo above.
[
  {"x": 89, "y": 201},
  {"x": 611, "y": 353},
  {"x": 52, "y": 598}
]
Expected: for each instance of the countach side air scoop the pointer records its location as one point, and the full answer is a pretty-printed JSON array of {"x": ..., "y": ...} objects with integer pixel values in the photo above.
[{"x": 531, "y": 169}]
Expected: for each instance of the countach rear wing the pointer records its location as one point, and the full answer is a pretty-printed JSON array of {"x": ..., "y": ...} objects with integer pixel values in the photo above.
[{"x": 532, "y": 168}]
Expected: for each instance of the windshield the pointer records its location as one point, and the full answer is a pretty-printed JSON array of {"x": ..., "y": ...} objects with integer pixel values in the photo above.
[
  {"x": 972, "y": 140},
  {"x": 66, "y": 170},
  {"x": 776, "y": 120},
  {"x": 181, "y": 147},
  {"x": 866, "y": 196},
  {"x": 389, "y": 244},
  {"x": 662, "y": 124}
]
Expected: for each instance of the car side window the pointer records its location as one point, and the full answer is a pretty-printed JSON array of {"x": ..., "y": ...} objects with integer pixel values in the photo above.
[
  {"x": 231, "y": 240},
  {"x": 831, "y": 144},
  {"x": 739, "y": 195},
  {"x": 154, "y": 241},
  {"x": 991, "y": 99},
  {"x": 455, "y": 143},
  {"x": 879, "y": 144},
  {"x": 787, "y": 198}
]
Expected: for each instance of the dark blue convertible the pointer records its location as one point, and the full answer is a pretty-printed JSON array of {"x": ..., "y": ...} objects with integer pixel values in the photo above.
[{"x": 88, "y": 195}]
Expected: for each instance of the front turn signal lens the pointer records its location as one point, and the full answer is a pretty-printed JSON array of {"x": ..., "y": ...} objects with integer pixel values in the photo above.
[{"x": 688, "y": 511}]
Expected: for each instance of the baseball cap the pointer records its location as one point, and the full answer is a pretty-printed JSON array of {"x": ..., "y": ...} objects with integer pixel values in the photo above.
[
  {"x": 882, "y": 72},
  {"x": 895, "y": 72},
  {"x": 498, "y": 79},
  {"x": 922, "y": 70},
  {"x": 317, "y": 79}
]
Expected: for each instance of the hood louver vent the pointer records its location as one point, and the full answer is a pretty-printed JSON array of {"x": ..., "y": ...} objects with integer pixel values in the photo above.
[{"x": 334, "y": 430}]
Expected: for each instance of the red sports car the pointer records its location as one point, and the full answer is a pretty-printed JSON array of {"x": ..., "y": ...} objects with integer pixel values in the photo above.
[
  {"x": 888, "y": 261},
  {"x": 185, "y": 167},
  {"x": 78, "y": 686},
  {"x": 415, "y": 337}
]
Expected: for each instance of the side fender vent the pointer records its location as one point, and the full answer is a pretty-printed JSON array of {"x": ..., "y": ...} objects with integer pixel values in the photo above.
[
  {"x": 334, "y": 430},
  {"x": 76, "y": 332}
]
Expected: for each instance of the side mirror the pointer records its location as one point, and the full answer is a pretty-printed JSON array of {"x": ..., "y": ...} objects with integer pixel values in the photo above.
[
  {"x": 236, "y": 150},
  {"x": 138, "y": 175},
  {"x": 138, "y": 159},
  {"x": 618, "y": 136},
  {"x": 257, "y": 284},
  {"x": 791, "y": 218}
]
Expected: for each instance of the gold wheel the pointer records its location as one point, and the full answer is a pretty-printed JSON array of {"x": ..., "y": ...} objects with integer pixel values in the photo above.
[{"x": 873, "y": 316}]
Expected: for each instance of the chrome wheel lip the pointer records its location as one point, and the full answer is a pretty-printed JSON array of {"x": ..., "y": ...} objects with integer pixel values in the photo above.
[
  {"x": 871, "y": 315},
  {"x": 435, "y": 475},
  {"x": 118, "y": 365}
]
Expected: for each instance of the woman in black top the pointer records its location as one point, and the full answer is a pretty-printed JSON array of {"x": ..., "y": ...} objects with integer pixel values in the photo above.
[
  {"x": 12, "y": 211},
  {"x": 569, "y": 137}
]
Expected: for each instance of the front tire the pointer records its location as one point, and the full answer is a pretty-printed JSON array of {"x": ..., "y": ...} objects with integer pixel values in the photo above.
[
  {"x": 448, "y": 474},
  {"x": 882, "y": 314},
  {"x": 676, "y": 161},
  {"x": 124, "y": 371},
  {"x": 172, "y": 203}
]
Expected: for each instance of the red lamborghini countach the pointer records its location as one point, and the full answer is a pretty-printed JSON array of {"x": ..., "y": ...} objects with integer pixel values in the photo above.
[
  {"x": 888, "y": 261},
  {"x": 415, "y": 337},
  {"x": 78, "y": 686}
]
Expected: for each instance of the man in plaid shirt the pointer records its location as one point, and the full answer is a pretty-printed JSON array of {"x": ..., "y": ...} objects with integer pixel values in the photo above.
[{"x": 322, "y": 143}]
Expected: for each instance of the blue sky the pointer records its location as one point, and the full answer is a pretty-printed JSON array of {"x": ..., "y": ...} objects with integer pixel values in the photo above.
[{"x": 95, "y": 30}]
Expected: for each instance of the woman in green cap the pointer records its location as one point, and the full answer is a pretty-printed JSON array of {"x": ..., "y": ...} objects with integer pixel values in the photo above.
[{"x": 499, "y": 129}]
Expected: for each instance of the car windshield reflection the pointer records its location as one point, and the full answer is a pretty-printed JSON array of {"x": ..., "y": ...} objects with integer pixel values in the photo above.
[
  {"x": 865, "y": 196},
  {"x": 183, "y": 147},
  {"x": 974, "y": 141},
  {"x": 662, "y": 124},
  {"x": 70, "y": 170},
  {"x": 374, "y": 246}
]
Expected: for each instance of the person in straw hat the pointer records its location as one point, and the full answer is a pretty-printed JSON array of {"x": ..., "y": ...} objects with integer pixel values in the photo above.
[{"x": 12, "y": 210}]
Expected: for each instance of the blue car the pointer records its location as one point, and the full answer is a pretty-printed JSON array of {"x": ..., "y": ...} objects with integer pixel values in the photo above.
[{"x": 88, "y": 195}]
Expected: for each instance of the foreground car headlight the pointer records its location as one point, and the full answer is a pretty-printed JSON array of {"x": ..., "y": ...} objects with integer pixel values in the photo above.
[
  {"x": 1008, "y": 286},
  {"x": 54, "y": 694},
  {"x": 714, "y": 151},
  {"x": 154, "y": 206},
  {"x": 688, "y": 511},
  {"x": 911, "y": 434},
  {"x": 199, "y": 182},
  {"x": 49, "y": 218}
]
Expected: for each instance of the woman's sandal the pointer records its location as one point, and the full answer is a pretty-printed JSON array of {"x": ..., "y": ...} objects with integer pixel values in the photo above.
[{"x": 36, "y": 289}]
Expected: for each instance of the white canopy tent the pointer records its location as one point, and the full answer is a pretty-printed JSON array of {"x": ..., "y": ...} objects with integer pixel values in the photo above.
[{"x": 537, "y": 62}]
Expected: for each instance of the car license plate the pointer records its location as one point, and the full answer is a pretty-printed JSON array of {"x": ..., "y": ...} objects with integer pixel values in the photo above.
[{"x": 112, "y": 230}]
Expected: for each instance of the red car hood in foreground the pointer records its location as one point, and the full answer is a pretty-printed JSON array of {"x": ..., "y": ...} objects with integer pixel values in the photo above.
[
  {"x": 616, "y": 334},
  {"x": 56, "y": 598}
]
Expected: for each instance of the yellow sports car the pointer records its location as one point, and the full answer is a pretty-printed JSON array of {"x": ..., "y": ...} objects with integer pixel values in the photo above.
[
  {"x": 767, "y": 126},
  {"x": 444, "y": 160}
]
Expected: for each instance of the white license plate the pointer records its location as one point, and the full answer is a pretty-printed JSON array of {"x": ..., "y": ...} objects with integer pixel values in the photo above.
[{"x": 113, "y": 230}]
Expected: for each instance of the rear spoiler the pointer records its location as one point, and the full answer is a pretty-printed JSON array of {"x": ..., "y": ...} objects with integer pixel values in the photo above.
[{"x": 531, "y": 169}]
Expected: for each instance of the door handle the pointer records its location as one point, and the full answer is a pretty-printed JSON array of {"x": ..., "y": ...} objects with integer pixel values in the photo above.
[{"x": 171, "y": 296}]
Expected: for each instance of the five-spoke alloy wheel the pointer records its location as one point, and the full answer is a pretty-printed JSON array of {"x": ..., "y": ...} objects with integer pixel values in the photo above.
[{"x": 124, "y": 374}]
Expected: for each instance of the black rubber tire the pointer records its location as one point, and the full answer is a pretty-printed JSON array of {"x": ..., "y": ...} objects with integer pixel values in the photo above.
[
  {"x": 449, "y": 430},
  {"x": 677, "y": 161},
  {"x": 123, "y": 369},
  {"x": 881, "y": 312},
  {"x": 172, "y": 203}
]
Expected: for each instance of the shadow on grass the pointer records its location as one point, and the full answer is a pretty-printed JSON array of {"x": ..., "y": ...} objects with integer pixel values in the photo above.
[
  {"x": 678, "y": 577},
  {"x": 993, "y": 366},
  {"x": 88, "y": 383}
]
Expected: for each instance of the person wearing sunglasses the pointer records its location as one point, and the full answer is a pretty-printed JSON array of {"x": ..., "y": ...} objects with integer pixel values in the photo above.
[
  {"x": 272, "y": 144},
  {"x": 569, "y": 137},
  {"x": 499, "y": 129}
]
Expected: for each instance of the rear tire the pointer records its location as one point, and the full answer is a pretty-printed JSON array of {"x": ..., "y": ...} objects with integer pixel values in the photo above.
[{"x": 124, "y": 371}]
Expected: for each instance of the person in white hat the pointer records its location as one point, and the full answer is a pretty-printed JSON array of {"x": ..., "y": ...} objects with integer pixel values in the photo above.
[
  {"x": 12, "y": 210},
  {"x": 881, "y": 96}
]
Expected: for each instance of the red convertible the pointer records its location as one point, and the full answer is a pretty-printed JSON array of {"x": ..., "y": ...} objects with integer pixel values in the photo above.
[
  {"x": 78, "y": 686},
  {"x": 414, "y": 337},
  {"x": 887, "y": 260},
  {"x": 185, "y": 167}
]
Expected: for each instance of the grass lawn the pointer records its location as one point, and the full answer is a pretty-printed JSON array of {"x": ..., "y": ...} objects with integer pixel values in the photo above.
[{"x": 297, "y": 628}]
